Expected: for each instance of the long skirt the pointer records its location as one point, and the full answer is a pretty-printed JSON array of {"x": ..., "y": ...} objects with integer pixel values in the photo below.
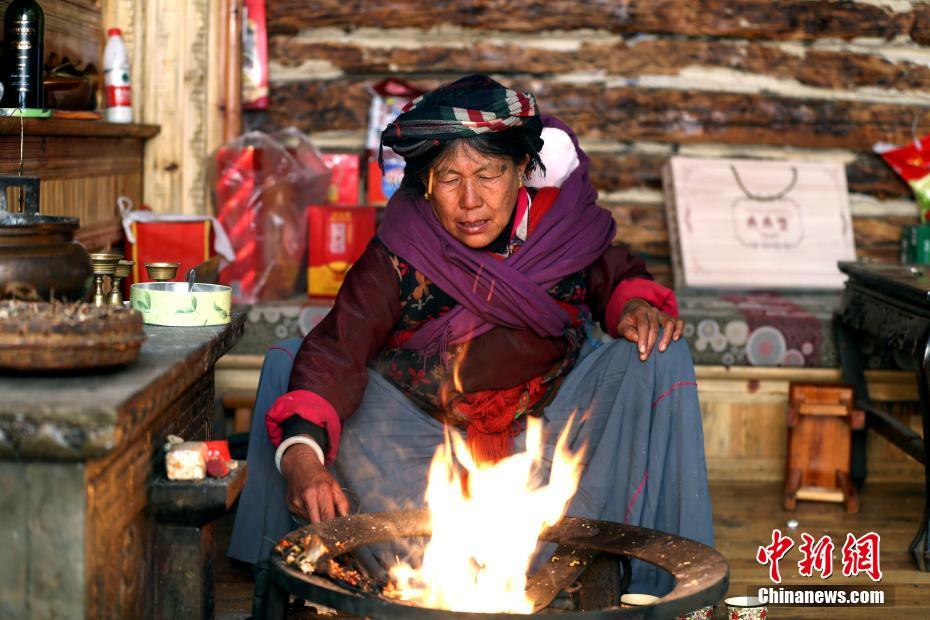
[{"x": 644, "y": 460}]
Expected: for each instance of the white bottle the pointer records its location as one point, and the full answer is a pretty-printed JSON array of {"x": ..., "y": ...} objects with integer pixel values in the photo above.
[{"x": 116, "y": 78}]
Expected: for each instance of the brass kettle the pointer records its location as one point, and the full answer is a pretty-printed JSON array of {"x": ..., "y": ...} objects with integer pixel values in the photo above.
[{"x": 39, "y": 251}]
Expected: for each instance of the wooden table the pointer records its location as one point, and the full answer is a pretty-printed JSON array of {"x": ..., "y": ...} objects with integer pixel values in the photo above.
[
  {"x": 77, "y": 454},
  {"x": 892, "y": 304}
]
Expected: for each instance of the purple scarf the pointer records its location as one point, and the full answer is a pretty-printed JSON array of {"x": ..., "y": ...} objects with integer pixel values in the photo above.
[{"x": 493, "y": 292}]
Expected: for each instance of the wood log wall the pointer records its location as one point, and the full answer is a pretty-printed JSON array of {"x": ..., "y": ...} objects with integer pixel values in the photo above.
[{"x": 639, "y": 81}]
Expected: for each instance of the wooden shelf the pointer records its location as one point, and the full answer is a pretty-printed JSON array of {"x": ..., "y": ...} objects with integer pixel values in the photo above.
[{"x": 10, "y": 125}]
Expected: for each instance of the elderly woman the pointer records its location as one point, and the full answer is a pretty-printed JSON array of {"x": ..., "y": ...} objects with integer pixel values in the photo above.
[{"x": 492, "y": 263}]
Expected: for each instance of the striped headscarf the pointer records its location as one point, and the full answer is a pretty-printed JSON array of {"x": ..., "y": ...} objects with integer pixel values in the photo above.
[{"x": 472, "y": 105}]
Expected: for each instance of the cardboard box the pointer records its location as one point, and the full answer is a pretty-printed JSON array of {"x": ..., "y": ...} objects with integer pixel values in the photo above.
[
  {"x": 753, "y": 224},
  {"x": 338, "y": 237}
]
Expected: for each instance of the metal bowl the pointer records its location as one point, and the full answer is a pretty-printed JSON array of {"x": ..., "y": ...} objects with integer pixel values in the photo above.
[
  {"x": 162, "y": 271},
  {"x": 172, "y": 304}
]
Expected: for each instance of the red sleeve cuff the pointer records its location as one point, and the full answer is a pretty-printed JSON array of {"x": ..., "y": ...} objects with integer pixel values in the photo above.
[
  {"x": 311, "y": 407},
  {"x": 659, "y": 296}
]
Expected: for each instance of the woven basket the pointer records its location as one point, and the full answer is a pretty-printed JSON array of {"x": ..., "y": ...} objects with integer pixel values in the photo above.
[{"x": 55, "y": 336}]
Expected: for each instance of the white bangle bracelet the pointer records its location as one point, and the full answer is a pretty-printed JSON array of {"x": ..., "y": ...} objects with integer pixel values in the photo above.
[{"x": 290, "y": 441}]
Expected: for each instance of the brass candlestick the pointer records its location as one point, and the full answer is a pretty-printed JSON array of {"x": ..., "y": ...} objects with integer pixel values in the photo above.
[
  {"x": 161, "y": 272},
  {"x": 104, "y": 264},
  {"x": 116, "y": 292}
]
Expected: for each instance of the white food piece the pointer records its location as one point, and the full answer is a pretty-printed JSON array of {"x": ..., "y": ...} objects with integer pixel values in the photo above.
[{"x": 187, "y": 461}]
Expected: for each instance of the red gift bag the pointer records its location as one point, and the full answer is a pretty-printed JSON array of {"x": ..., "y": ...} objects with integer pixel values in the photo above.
[{"x": 187, "y": 243}]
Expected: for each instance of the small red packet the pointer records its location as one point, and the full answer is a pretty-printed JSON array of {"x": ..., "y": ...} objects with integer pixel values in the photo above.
[
  {"x": 217, "y": 468},
  {"x": 218, "y": 450}
]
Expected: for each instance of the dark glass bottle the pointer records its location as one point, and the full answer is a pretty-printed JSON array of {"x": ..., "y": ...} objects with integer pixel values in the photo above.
[{"x": 23, "y": 55}]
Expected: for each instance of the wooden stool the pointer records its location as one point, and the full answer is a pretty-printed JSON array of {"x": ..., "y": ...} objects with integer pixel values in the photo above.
[
  {"x": 241, "y": 403},
  {"x": 185, "y": 511},
  {"x": 821, "y": 419}
]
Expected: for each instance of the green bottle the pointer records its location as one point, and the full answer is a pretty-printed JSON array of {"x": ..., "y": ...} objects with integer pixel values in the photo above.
[{"x": 23, "y": 55}]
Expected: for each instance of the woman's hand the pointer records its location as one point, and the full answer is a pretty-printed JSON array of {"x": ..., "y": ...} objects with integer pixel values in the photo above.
[
  {"x": 640, "y": 323},
  {"x": 312, "y": 492}
]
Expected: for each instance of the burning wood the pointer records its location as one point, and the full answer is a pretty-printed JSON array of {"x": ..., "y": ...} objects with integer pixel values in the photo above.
[
  {"x": 305, "y": 553},
  {"x": 311, "y": 556},
  {"x": 503, "y": 501},
  {"x": 506, "y": 502}
]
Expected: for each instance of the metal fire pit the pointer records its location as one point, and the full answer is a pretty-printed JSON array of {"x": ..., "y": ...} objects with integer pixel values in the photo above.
[{"x": 701, "y": 573}]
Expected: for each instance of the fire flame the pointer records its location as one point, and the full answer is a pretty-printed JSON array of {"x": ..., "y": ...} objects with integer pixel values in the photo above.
[{"x": 483, "y": 539}]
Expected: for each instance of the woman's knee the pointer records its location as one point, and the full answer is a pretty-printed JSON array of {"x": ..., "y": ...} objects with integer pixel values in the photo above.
[
  {"x": 679, "y": 349},
  {"x": 279, "y": 359},
  {"x": 676, "y": 358},
  {"x": 676, "y": 354}
]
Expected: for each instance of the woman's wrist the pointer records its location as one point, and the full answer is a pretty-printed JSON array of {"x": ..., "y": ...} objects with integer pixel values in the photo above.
[
  {"x": 632, "y": 302},
  {"x": 297, "y": 447}
]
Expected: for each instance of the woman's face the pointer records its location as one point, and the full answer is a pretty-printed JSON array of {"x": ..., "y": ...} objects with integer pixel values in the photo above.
[{"x": 474, "y": 194}]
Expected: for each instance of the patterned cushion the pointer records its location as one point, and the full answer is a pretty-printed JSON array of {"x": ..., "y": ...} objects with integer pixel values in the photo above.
[
  {"x": 760, "y": 329},
  {"x": 729, "y": 329},
  {"x": 770, "y": 329}
]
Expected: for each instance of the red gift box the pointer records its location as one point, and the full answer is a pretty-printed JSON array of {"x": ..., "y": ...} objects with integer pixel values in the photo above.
[
  {"x": 338, "y": 236},
  {"x": 187, "y": 243},
  {"x": 343, "y": 185}
]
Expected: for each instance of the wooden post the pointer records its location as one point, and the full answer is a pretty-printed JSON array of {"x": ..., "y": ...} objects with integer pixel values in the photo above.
[
  {"x": 224, "y": 105},
  {"x": 185, "y": 67}
]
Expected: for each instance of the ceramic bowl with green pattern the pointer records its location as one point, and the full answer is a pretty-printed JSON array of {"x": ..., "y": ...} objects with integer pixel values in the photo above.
[{"x": 170, "y": 303}]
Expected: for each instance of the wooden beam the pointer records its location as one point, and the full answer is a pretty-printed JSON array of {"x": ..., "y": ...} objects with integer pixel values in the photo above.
[
  {"x": 644, "y": 228},
  {"x": 11, "y": 126},
  {"x": 759, "y": 19},
  {"x": 840, "y": 69},
  {"x": 866, "y": 173},
  {"x": 625, "y": 113}
]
